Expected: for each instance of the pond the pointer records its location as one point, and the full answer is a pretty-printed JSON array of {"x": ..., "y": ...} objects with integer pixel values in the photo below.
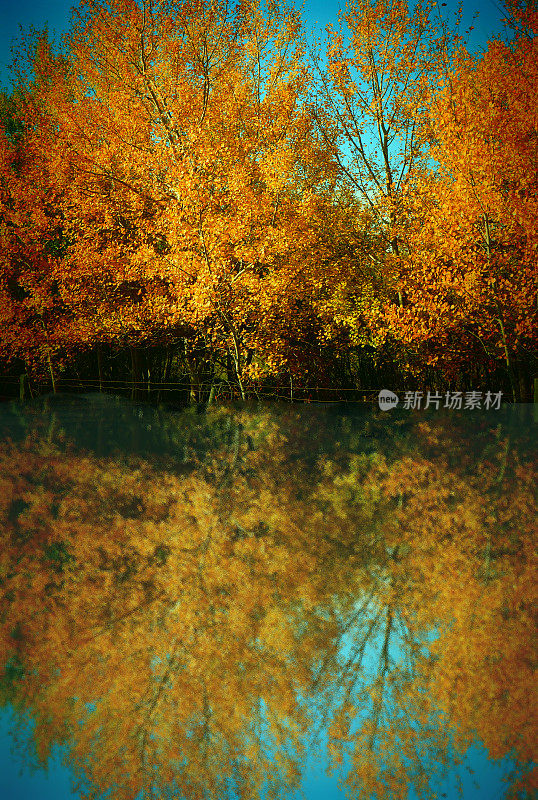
[{"x": 266, "y": 601}]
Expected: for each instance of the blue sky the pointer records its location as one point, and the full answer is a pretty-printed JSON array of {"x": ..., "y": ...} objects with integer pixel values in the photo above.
[{"x": 317, "y": 14}]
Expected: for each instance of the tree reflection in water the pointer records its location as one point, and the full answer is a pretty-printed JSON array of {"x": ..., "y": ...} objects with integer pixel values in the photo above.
[{"x": 195, "y": 608}]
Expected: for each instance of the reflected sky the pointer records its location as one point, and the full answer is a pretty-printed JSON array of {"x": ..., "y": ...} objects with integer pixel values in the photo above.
[{"x": 232, "y": 604}]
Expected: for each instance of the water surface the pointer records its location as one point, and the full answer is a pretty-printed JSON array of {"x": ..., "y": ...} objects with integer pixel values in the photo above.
[{"x": 224, "y": 605}]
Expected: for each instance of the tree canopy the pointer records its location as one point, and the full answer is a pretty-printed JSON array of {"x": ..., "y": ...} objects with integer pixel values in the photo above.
[{"x": 187, "y": 180}]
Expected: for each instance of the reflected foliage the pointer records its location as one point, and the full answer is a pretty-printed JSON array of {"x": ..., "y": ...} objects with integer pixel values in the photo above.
[{"x": 194, "y": 604}]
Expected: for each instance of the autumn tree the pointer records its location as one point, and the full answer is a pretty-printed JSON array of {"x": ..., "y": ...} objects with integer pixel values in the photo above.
[
  {"x": 471, "y": 238},
  {"x": 372, "y": 97},
  {"x": 35, "y": 320},
  {"x": 187, "y": 169}
]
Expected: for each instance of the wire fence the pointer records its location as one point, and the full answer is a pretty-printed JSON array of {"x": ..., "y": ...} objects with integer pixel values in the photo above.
[
  {"x": 223, "y": 390},
  {"x": 205, "y": 393}
]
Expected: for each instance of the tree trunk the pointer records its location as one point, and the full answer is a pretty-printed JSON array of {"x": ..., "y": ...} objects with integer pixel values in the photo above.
[
  {"x": 136, "y": 373},
  {"x": 166, "y": 373},
  {"x": 49, "y": 357},
  {"x": 53, "y": 379},
  {"x": 507, "y": 358},
  {"x": 523, "y": 379},
  {"x": 100, "y": 367},
  {"x": 194, "y": 376},
  {"x": 23, "y": 387},
  {"x": 236, "y": 361},
  {"x": 211, "y": 398}
]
